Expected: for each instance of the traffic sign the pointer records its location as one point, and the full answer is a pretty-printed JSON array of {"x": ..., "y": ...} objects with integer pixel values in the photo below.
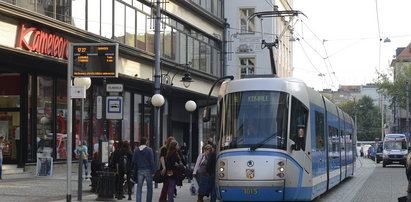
[{"x": 114, "y": 107}]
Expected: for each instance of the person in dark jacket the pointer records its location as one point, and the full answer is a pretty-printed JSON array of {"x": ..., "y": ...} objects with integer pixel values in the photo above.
[
  {"x": 408, "y": 173},
  {"x": 211, "y": 164},
  {"x": 128, "y": 167},
  {"x": 95, "y": 167},
  {"x": 143, "y": 160},
  {"x": 163, "y": 153}
]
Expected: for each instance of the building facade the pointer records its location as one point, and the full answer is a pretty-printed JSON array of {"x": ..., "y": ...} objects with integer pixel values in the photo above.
[
  {"x": 33, "y": 72},
  {"x": 245, "y": 55}
]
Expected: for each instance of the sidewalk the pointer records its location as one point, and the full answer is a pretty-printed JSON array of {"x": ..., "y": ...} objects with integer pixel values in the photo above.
[{"x": 39, "y": 189}]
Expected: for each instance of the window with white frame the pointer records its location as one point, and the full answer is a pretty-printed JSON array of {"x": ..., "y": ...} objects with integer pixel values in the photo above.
[
  {"x": 247, "y": 66},
  {"x": 246, "y": 25}
]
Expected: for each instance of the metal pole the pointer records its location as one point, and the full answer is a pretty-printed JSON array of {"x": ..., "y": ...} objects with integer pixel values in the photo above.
[
  {"x": 382, "y": 116},
  {"x": 157, "y": 75},
  {"x": 80, "y": 160},
  {"x": 69, "y": 123},
  {"x": 407, "y": 122},
  {"x": 190, "y": 143}
]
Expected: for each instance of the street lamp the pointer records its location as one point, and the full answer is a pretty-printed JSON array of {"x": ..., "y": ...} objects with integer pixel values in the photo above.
[
  {"x": 190, "y": 107},
  {"x": 86, "y": 82},
  {"x": 157, "y": 101}
]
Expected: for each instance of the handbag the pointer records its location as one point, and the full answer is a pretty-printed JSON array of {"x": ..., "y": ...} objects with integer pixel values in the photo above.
[{"x": 158, "y": 177}]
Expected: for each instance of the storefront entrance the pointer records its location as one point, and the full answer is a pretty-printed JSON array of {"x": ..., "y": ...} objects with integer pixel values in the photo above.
[{"x": 10, "y": 86}]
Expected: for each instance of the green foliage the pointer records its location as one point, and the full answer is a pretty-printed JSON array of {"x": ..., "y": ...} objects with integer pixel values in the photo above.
[
  {"x": 368, "y": 117},
  {"x": 395, "y": 90}
]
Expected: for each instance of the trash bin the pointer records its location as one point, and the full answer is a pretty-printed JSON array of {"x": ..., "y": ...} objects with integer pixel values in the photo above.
[{"x": 106, "y": 185}]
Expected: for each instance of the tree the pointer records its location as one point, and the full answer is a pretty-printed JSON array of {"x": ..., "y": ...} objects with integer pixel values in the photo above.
[
  {"x": 368, "y": 117},
  {"x": 395, "y": 90}
]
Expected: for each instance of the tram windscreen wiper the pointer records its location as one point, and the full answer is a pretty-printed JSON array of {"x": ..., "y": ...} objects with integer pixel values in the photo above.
[{"x": 253, "y": 148}]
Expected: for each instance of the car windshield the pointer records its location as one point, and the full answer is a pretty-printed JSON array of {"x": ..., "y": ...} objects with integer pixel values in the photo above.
[
  {"x": 249, "y": 118},
  {"x": 395, "y": 145}
]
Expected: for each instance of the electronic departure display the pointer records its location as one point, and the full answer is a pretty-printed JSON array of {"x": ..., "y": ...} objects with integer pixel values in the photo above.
[{"x": 95, "y": 60}]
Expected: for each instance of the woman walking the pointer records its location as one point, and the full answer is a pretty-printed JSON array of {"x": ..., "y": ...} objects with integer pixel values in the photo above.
[
  {"x": 173, "y": 160},
  {"x": 201, "y": 174}
]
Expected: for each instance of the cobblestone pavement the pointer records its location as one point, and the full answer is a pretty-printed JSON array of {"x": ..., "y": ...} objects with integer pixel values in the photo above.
[{"x": 370, "y": 182}]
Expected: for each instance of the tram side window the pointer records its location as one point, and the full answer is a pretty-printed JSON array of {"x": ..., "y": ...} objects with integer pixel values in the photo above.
[
  {"x": 299, "y": 114},
  {"x": 319, "y": 130},
  {"x": 333, "y": 141}
]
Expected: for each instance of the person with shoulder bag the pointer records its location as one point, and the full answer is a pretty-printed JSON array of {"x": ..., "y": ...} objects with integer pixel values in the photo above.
[
  {"x": 201, "y": 174},
  {"x": 173, "y": 161}
]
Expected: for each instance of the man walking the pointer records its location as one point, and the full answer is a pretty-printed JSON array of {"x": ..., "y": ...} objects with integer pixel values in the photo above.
[{"x": 143, "y": 160}]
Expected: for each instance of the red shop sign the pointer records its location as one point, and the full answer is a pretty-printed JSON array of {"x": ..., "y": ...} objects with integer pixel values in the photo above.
[{"x": 35, "y": 39}]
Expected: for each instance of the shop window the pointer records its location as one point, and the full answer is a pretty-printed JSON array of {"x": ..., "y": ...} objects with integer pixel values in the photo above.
[
  {"x": 61, "y": 119},
  {"x": 137, "y": 117},
  {"x": 147, "y": 117},
  {"x": 44, "y": 117},
  {"x": 149, "y": 37}
]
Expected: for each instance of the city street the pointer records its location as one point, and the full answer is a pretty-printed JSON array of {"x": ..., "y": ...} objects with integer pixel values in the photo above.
[{"x": 370, "y": 183}]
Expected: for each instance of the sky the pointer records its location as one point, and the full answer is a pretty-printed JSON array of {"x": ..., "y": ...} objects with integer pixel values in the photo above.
[{"x": 340, "y": 39}]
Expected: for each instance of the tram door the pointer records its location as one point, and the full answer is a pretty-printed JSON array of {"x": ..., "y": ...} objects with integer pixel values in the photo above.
[{"x": 10, "y": 116}]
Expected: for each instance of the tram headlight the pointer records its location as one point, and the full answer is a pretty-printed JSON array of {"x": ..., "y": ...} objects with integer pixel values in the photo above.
[
  {"x": 281, "y": 169},
  {"x": 280, "y": 175},
  {"x": 222, "y": 168},
  {"x": 281, "y": 163}
]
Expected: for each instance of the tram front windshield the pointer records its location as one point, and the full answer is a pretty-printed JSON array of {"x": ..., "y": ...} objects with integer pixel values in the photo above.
[{"x": 254, "y": 117}]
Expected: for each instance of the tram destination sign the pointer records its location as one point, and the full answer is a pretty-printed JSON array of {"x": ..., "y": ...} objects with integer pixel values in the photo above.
[{"x": 95, "y": 59}]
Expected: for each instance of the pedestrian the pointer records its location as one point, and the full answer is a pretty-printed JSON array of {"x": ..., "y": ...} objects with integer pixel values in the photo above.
[
  {"x": 163, "y": 153},
  {"x": 83, "y": 150},
  {"x": 95, "y": 168},
  {"x": 117, "y": 164},
  {"x": 2, "y": 146},
  {"x": 408, "y": 173},
  {"x": 143, "y": 160},
  {"x": 184, "y": 151},
  {"x": 173, "y": 161},
  {"x": 211, "y": 165},
  {"x": 128, "y": 156},
  {"x": 201, "y": 174}
]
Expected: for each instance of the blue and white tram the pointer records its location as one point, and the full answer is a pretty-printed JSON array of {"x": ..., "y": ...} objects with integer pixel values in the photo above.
[{"x": 280, "y": 140}]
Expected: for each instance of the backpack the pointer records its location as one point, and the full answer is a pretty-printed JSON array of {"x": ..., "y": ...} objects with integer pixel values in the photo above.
[{"x": 122, "y": 163}]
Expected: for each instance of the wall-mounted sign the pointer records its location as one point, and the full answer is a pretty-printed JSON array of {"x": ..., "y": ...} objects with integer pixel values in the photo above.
[
  {"x": 95, "y": 59},
  {"x": 114, "y": 107},
  {"x": 37, "y": 40},
  {"x": 114, "y": 87}
]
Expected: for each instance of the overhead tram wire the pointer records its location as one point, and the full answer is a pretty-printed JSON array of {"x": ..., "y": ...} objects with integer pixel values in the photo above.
[
  {"x": 326, "y": 53},
  {"x": 269, "y": 3},
  {"x": 312, "y": 64},
  {"x": 379, "y": 35}
]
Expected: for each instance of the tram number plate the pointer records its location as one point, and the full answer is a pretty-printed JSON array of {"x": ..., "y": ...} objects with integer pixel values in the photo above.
[
  {"x": 395, "y": 162},
  {"x": 250, "y": 191}
]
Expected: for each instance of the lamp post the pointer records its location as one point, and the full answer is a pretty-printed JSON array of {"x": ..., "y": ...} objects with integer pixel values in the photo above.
[
  {"x": 190, "y": 107},
  {"x": 86, "y": 82},
  {"x": 157, "y": 101}
]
